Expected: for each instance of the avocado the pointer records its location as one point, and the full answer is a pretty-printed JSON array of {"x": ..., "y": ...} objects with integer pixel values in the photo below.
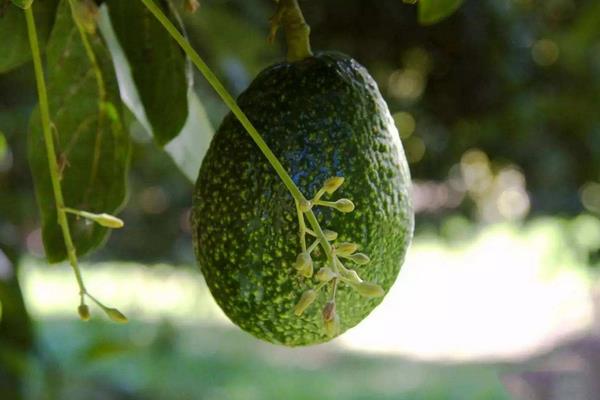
[{"x": 322, "y": 117}]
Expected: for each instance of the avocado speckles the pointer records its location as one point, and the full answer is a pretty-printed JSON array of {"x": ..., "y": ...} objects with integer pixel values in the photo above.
[{"x": 322, "y": 117}]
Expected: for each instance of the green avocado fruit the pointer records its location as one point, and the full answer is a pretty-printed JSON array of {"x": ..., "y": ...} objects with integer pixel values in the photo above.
[{"x": 322, "y": 117}]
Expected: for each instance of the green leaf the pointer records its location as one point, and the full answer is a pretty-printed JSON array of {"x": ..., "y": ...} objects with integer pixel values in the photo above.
[
  {"x": 15, "y": 52},
  {"x": 189, "y": 148},
  {"x": 432, "y": 11},
  {"x": 24, "y": 4},
  {"x": 92, "y": 146},
  {"x": 191, "y": 144},
  {"x": 158, "y": 66}
]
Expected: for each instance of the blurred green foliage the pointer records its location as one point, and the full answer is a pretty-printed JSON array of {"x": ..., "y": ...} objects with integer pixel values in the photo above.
[{"x": 163, "y": 361}]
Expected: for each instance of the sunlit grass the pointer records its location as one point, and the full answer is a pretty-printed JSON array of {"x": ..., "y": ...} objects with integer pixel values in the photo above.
[
  {"x": 507, "y": 292},
  {"x": 146, "y": 293}
]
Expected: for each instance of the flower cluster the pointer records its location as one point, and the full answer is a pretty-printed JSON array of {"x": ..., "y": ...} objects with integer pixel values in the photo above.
[{"x": 334, "y": 272}]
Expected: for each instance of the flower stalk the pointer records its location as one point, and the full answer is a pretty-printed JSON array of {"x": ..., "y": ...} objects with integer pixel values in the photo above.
[{"x": 56, "y": 173}]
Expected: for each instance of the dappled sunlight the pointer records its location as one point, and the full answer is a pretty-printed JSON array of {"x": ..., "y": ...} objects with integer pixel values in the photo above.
[
  {"x": 508, "y": 293},
  {"x": 142, "y": 293},
  {"x": 505, "y": 295}
]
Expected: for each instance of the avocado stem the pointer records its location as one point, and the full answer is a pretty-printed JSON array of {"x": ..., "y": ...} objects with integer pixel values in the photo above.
[
  {"x": 53, "y": 167},
  {"x": 297, "y": 31},
  {"x": 313, "y": 246},
  {"x": 303, "y": 228},
  {"x": 241, "y": 116},
  {"x": 318, "y": 196}
]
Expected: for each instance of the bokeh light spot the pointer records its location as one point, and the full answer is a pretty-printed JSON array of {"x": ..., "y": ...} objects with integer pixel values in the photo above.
[
  {"x": 415, "y": 149},
  {"x": 590, "y": 196},
  {"x": 545, "y": 52},
  {"x": 405, "y": 123},
  {"x": 406, "y": 84},
  {"x": 154, "y": 200},
  {"x": 513, "y": 203}
]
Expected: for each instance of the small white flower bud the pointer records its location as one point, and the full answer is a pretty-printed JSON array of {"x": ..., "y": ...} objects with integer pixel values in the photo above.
[
  {"x": 360, "y": 258},
  {"x": 346, "y": 249},
  {"x": 307, "y": 271},
  {"x": 116, "y": 315},
  {"x": 306, "y": 300},
  {"x": 344, "y": 205},
  {"x": 329, "y": 311},
  {"x": 325, "y": 274},
  {"x": 305, "y": 205},
  {"x": 332, "y": 327},
  {"x": 332, "y": 184},
  {"x": 108, "y": 221},
  {"x": 352, "y": 276},
  {"x": 330, "y": 235},
  {"x": 84, "y": 312},
  {"x": 369, "y": 289},
  {"x": 302, "y": 261}
]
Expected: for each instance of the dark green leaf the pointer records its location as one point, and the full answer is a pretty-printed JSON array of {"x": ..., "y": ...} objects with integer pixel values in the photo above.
[
  {"x": 158, "y": 66},
  {"x": 15, "y": 51},
  {"x": 432, "y": 11},
  {"x": 189, "y": 147},
  {"x": 16, "y": 333},
  {"x": 24, "y": 4},
  {"x": 92, "y": 146}
]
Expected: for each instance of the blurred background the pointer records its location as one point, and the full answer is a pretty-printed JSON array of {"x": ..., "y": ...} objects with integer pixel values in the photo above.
[{"x": 498, "y": 108}]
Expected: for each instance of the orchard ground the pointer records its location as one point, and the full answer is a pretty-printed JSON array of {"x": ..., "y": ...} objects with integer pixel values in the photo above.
[{"x": 474, "y": 311}]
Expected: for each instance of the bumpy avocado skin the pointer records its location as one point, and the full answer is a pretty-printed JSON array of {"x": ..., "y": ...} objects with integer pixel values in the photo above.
[{"x": 322, "y": 117}]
